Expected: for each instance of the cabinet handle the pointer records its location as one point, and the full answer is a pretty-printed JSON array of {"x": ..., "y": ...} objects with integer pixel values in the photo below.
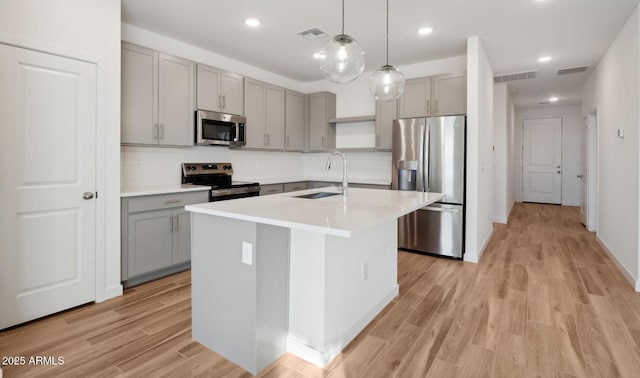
[
  {"x": 176, "y": 219},
  {"x": 224, "y": 101},
  {"x": 162, "y": 131},
  {"x": 154, "y": 132},
  {"x": 428, "y": 106},
  {"x": 167, "y": 202},
  {"x": 436, "y": 105},
  {"x": 171, "y": 223},
  {"x": 220, "y": 102},
  {"x": 287, "y": 141}
]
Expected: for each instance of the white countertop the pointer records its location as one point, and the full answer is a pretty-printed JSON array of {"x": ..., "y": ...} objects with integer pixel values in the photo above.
[
  {"x": 361, "y": 209},
  {"x": 133, "y": 191}
]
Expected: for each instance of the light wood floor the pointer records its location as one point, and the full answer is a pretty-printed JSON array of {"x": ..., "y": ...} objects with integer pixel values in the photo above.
[{"x": 545, "y": 300}]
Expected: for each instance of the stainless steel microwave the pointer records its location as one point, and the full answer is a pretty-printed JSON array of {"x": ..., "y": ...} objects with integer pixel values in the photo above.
[{"x": 219, "y": 129}]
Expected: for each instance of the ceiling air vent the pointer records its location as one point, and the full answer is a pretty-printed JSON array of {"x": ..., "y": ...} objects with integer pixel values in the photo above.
[
  {"x": 568, "y": 71},
  {"x": 515, "y": 76},
  {"x": 312, "y": 34}
]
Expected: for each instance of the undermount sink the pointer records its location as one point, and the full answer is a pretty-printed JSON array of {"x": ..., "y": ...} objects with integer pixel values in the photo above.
[{"x": 318, "y": 195}]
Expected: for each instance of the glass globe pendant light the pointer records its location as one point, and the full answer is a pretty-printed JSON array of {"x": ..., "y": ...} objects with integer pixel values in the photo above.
[
  {"x": 387, "y": 82},
  {"x": 342, "y": 57}
]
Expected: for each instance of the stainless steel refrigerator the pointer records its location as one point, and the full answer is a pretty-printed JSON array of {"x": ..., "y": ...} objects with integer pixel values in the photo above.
[{"x": 429, "y": 155}]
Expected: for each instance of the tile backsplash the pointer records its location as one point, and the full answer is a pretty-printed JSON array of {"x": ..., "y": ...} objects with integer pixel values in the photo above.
[{"x": 161, "y": 166}]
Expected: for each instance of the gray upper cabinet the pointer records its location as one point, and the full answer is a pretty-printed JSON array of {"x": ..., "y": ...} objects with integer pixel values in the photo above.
[
  {"x": 450, "y": 94},
  {"x": 434, "y": 96},
  {"x": 386, "y": 112},
  {"x": 416, "y": 99},
  {"x": 294, "y": 121},
  {"x": 220, "y": 91},
  {"x": 176, "y": 100},
  {"x": 322, "y": 108},
  {"x": 139, "y": 95},
  {"x": 275, "y": 117},
  {"x": 158, "y": 98},
  {"x": 265, "y": 112},
  {"x": 255, "y": 93}
]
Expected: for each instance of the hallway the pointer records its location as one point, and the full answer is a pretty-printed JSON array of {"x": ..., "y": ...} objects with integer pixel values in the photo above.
[{"x": 545, "y": 300}]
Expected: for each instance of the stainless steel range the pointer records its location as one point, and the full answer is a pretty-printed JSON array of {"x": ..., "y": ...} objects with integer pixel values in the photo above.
[{"x": 218, "y": 177}]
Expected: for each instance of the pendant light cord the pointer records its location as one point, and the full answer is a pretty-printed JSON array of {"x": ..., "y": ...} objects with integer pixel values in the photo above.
[
  {"x": 342, "y": 17},
  {"x": 387, "y": 32}
]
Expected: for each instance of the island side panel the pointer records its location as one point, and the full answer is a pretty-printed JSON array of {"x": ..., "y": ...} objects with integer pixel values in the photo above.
[
  {"x": 223, "y": 288},
  {"x": 272, "y": 299},
  {"x": 361, "y": 279},
  {"x": 307, "y": 296},
  {"x": 330, "y": 300}
]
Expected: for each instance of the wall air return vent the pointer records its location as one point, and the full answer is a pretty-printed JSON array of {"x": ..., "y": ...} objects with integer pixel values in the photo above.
[
  {"x": 515, "y": 76},
  {"x": 574, "y": 70},
  {"x": 312, "y": 34}
]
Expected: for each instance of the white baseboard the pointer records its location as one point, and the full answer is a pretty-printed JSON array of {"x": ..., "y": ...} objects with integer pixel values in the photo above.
[
  {"x": 108, "y": 293},
  {"x": 635, "y": 284},
  {"x": 500, "y": 220},
  {"x": 322, "y": 358},
  {"x": 473, "y": 258}
]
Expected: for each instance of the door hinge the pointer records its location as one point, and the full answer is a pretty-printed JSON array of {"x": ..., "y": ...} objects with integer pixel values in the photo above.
[{"x": 96, "y": 195}]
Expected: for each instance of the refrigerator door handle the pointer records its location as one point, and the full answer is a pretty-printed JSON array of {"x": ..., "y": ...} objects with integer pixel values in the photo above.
[
  {"x": 440, "y": 209},
  {"x": 427, "y": 157}
]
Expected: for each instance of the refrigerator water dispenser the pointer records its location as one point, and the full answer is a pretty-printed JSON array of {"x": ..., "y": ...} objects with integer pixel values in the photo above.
[{"x": 407, "y": 170}]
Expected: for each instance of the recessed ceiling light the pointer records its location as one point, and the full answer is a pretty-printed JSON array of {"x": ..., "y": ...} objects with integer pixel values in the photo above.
[
  {"x": 544, "y": 59},
  {"x": 252, "y": 22},
  {"x": 318, "y": 55},
  {"x": 425, "y": 31},
  {"x": 553, "y": 99}
]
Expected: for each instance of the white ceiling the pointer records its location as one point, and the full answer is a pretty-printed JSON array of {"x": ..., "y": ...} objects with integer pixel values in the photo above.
[{"x": 514, "y": 33}]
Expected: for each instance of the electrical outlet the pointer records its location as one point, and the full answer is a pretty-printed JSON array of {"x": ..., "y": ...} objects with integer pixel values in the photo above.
[
  {"x": 247, "y": 253},
  {"x": 365, "y": 271}
]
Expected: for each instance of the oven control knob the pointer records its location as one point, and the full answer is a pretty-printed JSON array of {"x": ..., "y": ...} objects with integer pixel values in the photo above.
[
  {"x": 226, "y": 167},
  {"x": 193, "y": 167}
]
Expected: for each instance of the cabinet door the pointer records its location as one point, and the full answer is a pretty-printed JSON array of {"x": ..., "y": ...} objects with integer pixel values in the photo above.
[
  {"x": 274, "y": 122},
  {"x": 317, "y": 122},
  {"x": 386, "y": 112},
  {"x": 139, "y": 116},
  {"x": 209, "y": 83},
  {"x": 294, "y": 121},
  {"x": 254, "y": 111},
  {"x": 181, "y": 236},
  {"x": 150, "y": 241},
  {"x": 176, "y": 101},
  {"x": 450, "y": 94},
  {"x": 232, "y": 93},
  {"x": 416, "y": 99}
]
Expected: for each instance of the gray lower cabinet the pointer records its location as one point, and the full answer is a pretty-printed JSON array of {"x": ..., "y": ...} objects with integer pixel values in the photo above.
[
  {"x": 271, "y": 189},
  {"x": 295, "y": 186},
  {"x": 156, "y": 235}
]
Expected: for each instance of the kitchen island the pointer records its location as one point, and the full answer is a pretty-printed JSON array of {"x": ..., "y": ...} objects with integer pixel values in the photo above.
[{"x": 281, "y": 273}]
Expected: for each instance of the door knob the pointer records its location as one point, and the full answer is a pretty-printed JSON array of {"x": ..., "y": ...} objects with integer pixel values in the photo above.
[
  {"x": 87, "y": 195},
  {"x": 559, "y": 172}
]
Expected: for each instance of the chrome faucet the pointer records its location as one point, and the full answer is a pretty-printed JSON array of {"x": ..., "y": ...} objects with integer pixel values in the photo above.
[{"x": 344, "y": 170}]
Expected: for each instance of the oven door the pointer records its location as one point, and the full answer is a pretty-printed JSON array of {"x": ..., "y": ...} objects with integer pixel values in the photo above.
[
  {"x": 219, "y": 129},
  {"x": 233, "y": 193}
]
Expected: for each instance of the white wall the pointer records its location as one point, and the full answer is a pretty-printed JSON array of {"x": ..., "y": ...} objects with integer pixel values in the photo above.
[
  {"x": 613, "y": 88},
  {"x": 479, "y": 204},
  {"x": 511, "y": 156},
  {"x": 88, "y": 30},
  {"x": 572, "y": 123},
  {"x": 501, "y": 172}
]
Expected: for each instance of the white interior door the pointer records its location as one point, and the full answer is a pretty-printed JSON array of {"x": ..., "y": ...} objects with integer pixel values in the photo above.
[
  {"x": 47, "y": 160},
  {"x": 542, "y": 160},
  {"x": 584, "y": 169}
]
